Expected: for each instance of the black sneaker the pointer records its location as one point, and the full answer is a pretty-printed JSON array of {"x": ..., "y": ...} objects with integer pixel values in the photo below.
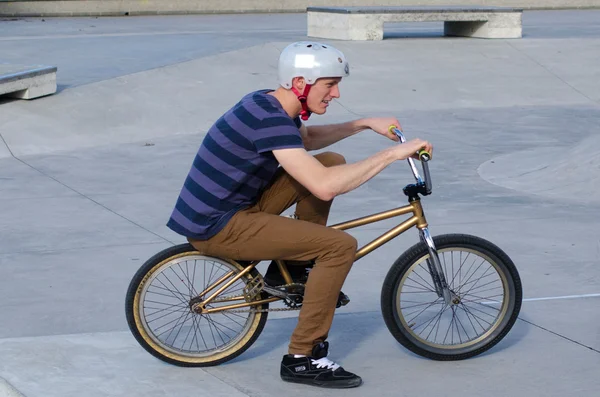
[
  {"x": 299, "y": 273},
  {"x": 317, "y": 370}
]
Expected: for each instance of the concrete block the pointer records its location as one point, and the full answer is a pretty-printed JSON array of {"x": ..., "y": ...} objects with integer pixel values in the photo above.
[
  {"x": 27, "y": 82},
  {"x": 497, "y": 26},
  {"x": 367, "y": 23}
]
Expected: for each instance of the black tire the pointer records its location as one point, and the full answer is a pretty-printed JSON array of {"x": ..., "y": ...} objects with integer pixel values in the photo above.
[
  {"x": 403, "y": 332},
  {"x": 183, "y": 358}
]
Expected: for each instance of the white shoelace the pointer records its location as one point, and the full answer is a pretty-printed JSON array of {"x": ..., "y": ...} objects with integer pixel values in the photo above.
[{"x": 325, "y": 363}]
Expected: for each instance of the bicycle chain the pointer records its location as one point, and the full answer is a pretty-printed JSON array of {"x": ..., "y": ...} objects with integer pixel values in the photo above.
[{"x": 284, "y": 309}]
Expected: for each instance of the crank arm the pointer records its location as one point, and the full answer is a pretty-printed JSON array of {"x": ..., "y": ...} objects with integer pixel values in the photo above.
[{"x": 275, "y": 292}]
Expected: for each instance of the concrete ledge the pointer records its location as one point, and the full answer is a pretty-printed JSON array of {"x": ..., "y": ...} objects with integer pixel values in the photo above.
[
  {"x": 36, "y": 8},
  {"x": 7, "y": 390},
  {"x": 27, "y": 82},
  {"x": 367, "y": 23}
]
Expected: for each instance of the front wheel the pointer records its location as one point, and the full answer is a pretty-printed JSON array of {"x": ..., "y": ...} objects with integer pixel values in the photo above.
[{"x": 487, "y": 295}]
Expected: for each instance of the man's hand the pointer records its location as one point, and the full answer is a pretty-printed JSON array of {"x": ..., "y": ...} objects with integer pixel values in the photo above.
[
  {"x": 410, "y": 149},
  {"x": 381, "y": 126}
]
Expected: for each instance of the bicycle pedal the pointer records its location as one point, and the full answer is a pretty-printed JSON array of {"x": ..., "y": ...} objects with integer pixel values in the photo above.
[{"x": 253, "y": 288}]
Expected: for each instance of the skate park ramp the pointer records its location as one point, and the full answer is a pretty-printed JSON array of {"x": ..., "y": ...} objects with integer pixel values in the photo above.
[{"x": 564, "y": 173}]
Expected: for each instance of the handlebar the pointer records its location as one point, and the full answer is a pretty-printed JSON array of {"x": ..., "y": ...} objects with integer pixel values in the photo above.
[{"x": 424, "y": 156}]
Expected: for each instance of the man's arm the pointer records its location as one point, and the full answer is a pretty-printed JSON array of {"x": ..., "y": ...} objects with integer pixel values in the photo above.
[
  {"x": 319, "y": 136},
  {"x": 328, "y": 182}
]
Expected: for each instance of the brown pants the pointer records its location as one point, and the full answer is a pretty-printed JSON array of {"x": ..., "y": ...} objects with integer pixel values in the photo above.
[{"x": 260, "y": 233}]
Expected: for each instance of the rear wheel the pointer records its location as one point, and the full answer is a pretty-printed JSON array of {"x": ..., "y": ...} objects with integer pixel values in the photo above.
[
  {"x": 159, "y": 308},
  {"x": 488, "y": 293}
]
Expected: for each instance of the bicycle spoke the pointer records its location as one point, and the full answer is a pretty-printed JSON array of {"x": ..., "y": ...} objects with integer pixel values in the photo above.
[
  {"x": 172, "y": 294},
  {"x": 210, "y": 325},
  {"x": 479, "y": 318},
  {"x": 164, "y": 315},
  {"x": 428, "y": 323},
  {"x": 176, "y": 321},
  {"x": 181, "y": 327},
  {"x": 467, "y": 311},
  {"x": 413, "y": 312},
  {"x": 438, "y": 315},
  {"x": 478, "y": 280},
  {"x": 481, "y": 311},
  {"x": 196, "y": 327},
  {"x": 418, "y": 283},
  {"x": 422, "y": 289},
  {"x": 481, "y": 264},
  {"x": 193, "y": 327},
  {"x": 222, "y": 325},
  {"x": 180, "y": 305},
  {"x": 438, "y": 321},
  {"x": 491, "y": 289},
  {"x": 226, "y": 315},
  {"x": 199, "y": 319},
  {"x": 474, "y": 281},
  {"x": 451, "y": 323},
  {"x": 452, "y": 259},
  {"x": 208, "y": 317},
  {"x": 463, "y": 327},
  {"x": 210, "y": 275},
  {"x": 480, "y": 298},
  {"x": 157, "y": 293},
  {"x": 191, "y": 289},
  {"x": 411, "y": 320},
  {"x": 459, "y": 268},
  {"x": 420, "y": 304},
  {"x": 176, "y": 289},
  {"x": 426, "y": 282}
]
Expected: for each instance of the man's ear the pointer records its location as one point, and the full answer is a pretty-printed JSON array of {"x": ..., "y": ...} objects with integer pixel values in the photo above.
[{"x": 299, "y": 83}]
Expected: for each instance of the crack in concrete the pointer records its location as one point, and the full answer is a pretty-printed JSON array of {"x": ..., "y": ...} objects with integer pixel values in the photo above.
[
  {"x": 552, "y": 73},
  {"x": 561, "y": 336},
  {"x": 94, "y": 201},
  {"x": 228, "y": 383},
  {"x": 7, "y": 147}
]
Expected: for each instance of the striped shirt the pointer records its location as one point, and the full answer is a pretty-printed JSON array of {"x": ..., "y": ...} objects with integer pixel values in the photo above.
[{"x": 233, "y": 165}]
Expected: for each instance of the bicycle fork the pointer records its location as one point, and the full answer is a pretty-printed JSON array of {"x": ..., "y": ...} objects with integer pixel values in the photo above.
[{"x": 435, "y": 269}]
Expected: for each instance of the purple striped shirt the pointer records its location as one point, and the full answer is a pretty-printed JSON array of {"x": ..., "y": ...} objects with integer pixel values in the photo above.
[{"x": 233, "y": 165}]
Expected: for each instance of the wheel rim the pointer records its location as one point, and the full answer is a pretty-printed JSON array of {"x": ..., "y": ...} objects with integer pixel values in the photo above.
[
  {"x": 169, "y": 325},
  {"x": 479, "y": 283}
]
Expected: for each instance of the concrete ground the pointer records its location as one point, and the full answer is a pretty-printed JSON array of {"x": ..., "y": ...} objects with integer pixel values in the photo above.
[{"x": 88, "y": 178}]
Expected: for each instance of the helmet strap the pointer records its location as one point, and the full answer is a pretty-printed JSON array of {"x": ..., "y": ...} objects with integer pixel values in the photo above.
[{"x": 305, "y": 113}]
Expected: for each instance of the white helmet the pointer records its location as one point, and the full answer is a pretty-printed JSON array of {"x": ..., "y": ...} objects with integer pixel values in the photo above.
[{"x": 311, "y": 60}]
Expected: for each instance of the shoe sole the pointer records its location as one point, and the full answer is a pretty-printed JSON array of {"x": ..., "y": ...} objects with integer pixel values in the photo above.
[{"x": 340, "y": 384}]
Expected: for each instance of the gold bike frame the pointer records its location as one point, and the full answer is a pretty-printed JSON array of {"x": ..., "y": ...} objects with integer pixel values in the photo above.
[{"x": 417, "y": 219}]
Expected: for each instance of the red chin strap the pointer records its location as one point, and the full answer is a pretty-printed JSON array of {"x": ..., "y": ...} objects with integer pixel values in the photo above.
[{"x": 305, "y": 113}]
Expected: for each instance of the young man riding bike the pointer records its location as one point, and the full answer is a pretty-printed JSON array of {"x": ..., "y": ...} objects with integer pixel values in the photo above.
[{"x": 254, "y": 163}]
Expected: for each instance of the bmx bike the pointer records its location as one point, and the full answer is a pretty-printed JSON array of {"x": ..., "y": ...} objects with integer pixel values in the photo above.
[{"x": 448, "y": 297}]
